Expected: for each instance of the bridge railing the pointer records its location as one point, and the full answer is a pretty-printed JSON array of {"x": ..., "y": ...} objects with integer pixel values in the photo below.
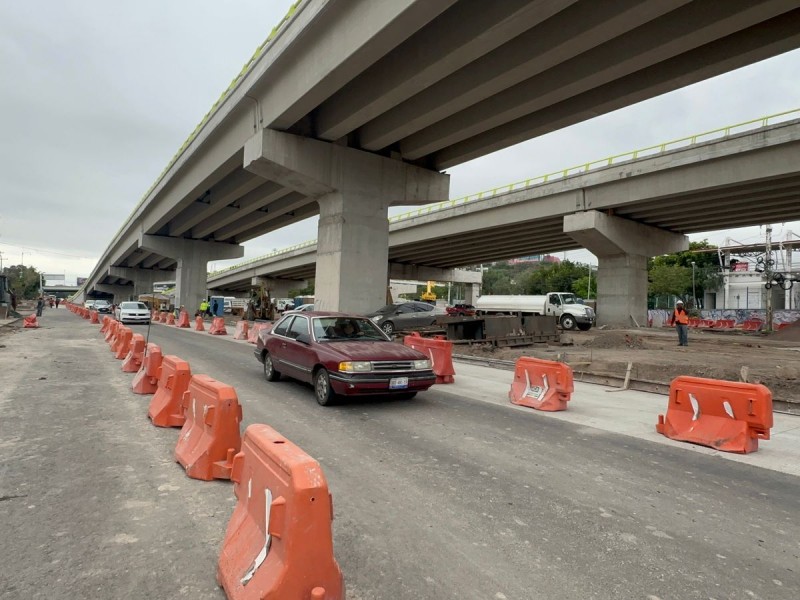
[{"x": 698, "y": 138}]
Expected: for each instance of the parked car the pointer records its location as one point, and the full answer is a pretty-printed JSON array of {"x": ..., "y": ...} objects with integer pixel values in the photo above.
[
  {"x": 405, "y": 315},
  {"x": 341, "y": 355},
  {"x": 89, "y": 304},
  {"x": 102, "y": 306},
  {"x": 133, "y": 312},
  {"x": 461, "y": 310}
]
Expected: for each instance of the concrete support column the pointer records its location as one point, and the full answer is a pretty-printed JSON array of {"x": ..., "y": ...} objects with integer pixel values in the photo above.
[
  {"x": 142, "y": 279},
  {"x": 193, "y": 256},
  {"x": 354, "y": 190},
  {"x": 121, "y": 292},
  {"x": 622, "y": 248},
  {"x": 471, "y": 293}
]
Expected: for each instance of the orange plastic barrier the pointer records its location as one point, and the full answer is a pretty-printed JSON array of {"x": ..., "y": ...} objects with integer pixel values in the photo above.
[
  {"x": 726, "y": 415},
  {"x": 123, "y": 343},
  {"x": 112, "y": 330},
  {"x": 723, "y": 324},
  {"x": 218, "y": 326},
  {"x": 30, "y": 322},
  {"x": 170, "y": 318},
  {"x": 541, "y": 384},
  {"x": 154, "y": 315},
  {"x": 114, "y": 341},
  {"x": 198, "y": 323},
  {"x": 278, "y": 543},
  {"x": 166, "y": 405},
  {"x": 440, "y": 351},
  {"x": 694, "y": 322},
  {"x": 133, "y": 360},
  {"x": 752, "y": 325},
  {"x": 162, "y": 317},
  {"x": 183, "y": 320},
  {"x": 106, "y": 324},
  {"x": 783, "y": 326},
  {"x": 242, "y": 327},
  {"x": 252, "y": 335},
  {"x": 146, "y": 379},
  {"x": 85, "y": 314},
  {"x": 210, "y": 437},
  {"x": 93, "y": 315},
  {"x": 706, "y": 323}
]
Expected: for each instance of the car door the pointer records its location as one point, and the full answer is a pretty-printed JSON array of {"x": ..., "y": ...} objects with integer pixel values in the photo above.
[
  {"x": 276, "y": 342},
  {"x": 404, "y": 316},
  {"x": 423, "y": 315},
  {"x": 300, "y": 356}
]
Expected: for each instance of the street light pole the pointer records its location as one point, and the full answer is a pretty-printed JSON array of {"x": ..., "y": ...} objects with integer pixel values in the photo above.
[{"x": 694, "y": 294}]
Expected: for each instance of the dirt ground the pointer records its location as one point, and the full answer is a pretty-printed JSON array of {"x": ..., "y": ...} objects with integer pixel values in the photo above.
[{"x": 773, "y": 360}]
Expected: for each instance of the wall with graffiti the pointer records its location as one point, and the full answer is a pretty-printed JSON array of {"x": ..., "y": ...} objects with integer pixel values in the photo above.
[{"x": 657, "y": 317}]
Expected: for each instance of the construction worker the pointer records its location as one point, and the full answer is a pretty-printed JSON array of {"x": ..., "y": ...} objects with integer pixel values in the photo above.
[
  {"x": 204, "y": 307},
  {"x": 680, "y": 319}
]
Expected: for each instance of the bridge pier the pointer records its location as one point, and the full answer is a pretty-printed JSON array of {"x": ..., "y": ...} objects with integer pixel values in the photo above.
[
  {"x": 142, "y": 279},
  {"x": 193, "y": 257},
  {"x": 622, "y": 248},
  {"x": 121, "y": 293},
  {"x": 354, "y": 190}
]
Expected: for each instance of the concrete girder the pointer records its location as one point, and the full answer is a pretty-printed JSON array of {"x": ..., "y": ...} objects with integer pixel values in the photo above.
[
  {"x": 424, "y": 273},
  {"x": 622, "y": 248},
  {"x": 651, "y": 44},
  {"x": 571, "y": 32},
  {"x": 152, "y": 260},
  {"x": 142, "y": 279},
  {"x": 219, "y": 196},
  {"x": 192, "y": 258},
  {"x": 136, "y": 258},
  {"x": 288, "y": 202},
  {"x": 252, "y": 201},
  {"x": 739, "y": 49},
  {"x": 302, "y": 212},
  {"x": 439, "y": 48}
]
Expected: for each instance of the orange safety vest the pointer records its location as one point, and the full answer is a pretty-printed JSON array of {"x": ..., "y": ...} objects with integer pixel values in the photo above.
[{"x": 681, "y": 317}]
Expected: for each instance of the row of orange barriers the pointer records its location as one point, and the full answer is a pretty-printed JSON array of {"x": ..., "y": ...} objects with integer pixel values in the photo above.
[
  {"x": 726, "y": 415},
  {"x": 278, "y": 542}
]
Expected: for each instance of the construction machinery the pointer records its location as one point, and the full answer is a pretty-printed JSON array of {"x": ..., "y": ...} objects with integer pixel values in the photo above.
[
  {"x": 429, "y": 295},
  {"x": 260, "y": 305}
]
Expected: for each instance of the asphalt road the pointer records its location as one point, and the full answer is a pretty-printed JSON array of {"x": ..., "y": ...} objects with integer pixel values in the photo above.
[{"x": 438, "y": 497}]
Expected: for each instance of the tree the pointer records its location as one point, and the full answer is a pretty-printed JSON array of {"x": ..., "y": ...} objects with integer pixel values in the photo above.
[
  {"x": 24, "y": 281},
  {"x": 678, "y": 281},
  {"x": 670, "y": 280},
  {"x": 555, "y": 277}
]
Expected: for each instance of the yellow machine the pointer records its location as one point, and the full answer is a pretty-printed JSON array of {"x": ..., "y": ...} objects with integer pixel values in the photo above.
[
  {"x": 260, "y": 305},
  {"x": 429, "y": 295}
]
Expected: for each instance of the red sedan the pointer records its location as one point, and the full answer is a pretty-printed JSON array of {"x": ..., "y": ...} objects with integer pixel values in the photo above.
[{"x": 341, "y": 355}]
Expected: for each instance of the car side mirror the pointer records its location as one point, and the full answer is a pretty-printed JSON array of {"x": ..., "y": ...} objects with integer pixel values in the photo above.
[{"x": 304, "y": 338}]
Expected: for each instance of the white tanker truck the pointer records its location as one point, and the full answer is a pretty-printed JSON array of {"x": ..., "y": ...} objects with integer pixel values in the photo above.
[{"x": 562, "y": 306}]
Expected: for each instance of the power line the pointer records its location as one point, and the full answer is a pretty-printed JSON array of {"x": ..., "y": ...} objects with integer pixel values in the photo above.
[{"x": 43, "y": 251}]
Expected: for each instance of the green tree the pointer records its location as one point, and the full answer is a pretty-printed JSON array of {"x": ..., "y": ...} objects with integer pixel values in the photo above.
[
  {"x": 555, "y": 277},
  {"x": 24, "y": 281},
  {"x": 706, "y": 270},
  {"x": 670, "y": 280}
]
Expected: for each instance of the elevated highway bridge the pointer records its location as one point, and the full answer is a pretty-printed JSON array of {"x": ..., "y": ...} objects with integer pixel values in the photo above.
[{"x": 352, "y": 106}]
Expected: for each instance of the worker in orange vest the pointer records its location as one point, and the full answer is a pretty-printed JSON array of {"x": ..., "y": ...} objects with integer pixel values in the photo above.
[{"x": 680, "y": 319}]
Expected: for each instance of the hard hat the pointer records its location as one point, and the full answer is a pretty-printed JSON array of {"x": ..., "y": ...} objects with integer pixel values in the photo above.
[{"x": 679, "y": 302}]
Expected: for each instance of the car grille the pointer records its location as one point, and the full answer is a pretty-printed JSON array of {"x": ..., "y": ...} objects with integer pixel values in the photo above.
[{"x": 385, "y": 366}]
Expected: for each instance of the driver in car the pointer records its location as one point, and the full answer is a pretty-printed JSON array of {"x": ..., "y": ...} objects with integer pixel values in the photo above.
[{"x": 346, "y": 329}]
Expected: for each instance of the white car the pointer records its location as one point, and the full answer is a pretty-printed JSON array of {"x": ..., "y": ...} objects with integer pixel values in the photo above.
[
  {"x": 302, "y": 308},
  {"x": 88, "y": 304},
  {"x": 133, "y": 312}
]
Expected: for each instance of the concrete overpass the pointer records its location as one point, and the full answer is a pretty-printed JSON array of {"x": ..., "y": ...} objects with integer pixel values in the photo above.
[
  {"x": 623, "y": 213},
  {"x": 353, "y": 106}
]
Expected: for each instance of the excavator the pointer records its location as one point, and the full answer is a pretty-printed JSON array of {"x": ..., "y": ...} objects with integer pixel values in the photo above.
[
  {"x": 260, "y": 305},
  {"x": 429, "y": 295}
]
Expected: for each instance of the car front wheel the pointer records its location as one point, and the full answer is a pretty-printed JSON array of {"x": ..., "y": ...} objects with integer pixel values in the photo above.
[
  {"x": 568, "y": 322},
  {"x": 388, "y": 328},
  {"x": 270, "y": 374},
  {"x": 322, "y": 388}
]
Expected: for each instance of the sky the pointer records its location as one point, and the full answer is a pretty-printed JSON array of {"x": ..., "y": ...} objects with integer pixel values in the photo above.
[{"x": 98, "y": 96}]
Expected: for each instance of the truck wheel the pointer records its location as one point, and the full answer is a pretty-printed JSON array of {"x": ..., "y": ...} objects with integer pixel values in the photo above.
[
  {"x": 568, "y": 322},
  {"x": 584, "y": 326}
]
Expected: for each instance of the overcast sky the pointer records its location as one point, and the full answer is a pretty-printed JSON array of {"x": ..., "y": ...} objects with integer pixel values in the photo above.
[{"x": 97, "y": 96}]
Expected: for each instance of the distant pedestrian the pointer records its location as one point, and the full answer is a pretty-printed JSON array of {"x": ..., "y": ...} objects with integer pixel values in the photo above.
[
  {"x": 39, "y": 306},
  {"x": 13, "y": 301},
  {"x": 57, "y": 302},
  {"x": 680, "y": 319}
]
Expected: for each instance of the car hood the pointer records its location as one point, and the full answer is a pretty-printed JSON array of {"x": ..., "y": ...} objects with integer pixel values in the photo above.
[{"x": 363, "y": 350}]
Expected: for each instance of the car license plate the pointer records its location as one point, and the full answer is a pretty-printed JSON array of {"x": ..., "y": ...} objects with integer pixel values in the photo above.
[{"x": 398, "y": 383}]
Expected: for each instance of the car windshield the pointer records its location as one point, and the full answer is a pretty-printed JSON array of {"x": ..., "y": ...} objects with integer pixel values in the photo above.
[
  {"x": 346, "y": 328},
  {"x": 132, "y": 306}
]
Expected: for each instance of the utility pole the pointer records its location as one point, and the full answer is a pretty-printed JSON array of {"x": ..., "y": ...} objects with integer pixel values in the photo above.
[
  {"x": 1, "y": 262},
  {"x": 768, "y": 273}
]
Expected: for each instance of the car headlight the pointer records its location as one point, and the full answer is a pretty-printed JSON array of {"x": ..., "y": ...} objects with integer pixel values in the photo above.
[
  {"x": 376, "y": 318},
  {"x": 422, "y": 365},
  {"x": 355, "y": 366}
]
